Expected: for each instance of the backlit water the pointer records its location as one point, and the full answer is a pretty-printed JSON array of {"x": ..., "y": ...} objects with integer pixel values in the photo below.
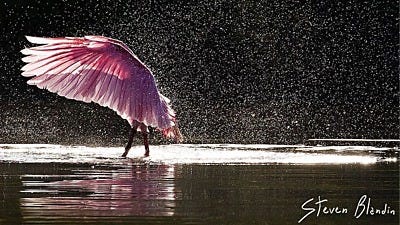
[{"x": 196, "y": 184}]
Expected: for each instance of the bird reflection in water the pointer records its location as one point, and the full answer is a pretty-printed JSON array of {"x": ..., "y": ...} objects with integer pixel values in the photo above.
[{"x": 138, "y": 190}]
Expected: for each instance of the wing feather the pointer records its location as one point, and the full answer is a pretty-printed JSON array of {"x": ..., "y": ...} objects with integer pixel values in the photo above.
[
  {"x": 69, "y": 74},
  {"x": 75, "y": 75},
  {"x": 51, "y": 62},
  {"x": 102, "y": 70},
  {"x": 73, "y": 92},
  {"x": 98, "y": 91},
  {"x": 89, "y": 89},
  {"x": 105, "y": 84},
  {"x": 107, "y": 96}
]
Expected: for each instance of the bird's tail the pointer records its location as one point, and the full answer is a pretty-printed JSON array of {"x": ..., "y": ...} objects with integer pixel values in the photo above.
[{"x": 173, "y": 132}]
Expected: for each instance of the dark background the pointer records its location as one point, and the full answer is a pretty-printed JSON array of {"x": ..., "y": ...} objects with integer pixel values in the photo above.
[{"x": 236, "y": 71}]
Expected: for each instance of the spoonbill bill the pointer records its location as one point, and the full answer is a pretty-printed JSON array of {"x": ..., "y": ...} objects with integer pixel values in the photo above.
[{"x": 105, "y": 71}]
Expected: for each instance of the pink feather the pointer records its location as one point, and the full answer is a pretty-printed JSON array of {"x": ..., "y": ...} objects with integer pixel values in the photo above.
[{"x": 102, "y": 70}]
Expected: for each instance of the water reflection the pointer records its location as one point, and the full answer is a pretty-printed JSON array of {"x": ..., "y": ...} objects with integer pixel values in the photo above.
[
  {"x": 192, "y": 184},
  {"x": 136, "y": 190},
  {"x": 142, "y": 193}
]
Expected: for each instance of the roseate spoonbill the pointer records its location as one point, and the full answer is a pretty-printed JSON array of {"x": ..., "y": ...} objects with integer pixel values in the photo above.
[{"x": 102, "y": 70}]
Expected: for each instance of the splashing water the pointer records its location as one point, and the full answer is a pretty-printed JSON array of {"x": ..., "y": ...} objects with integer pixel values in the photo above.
[{"x": 200, "y": 154}]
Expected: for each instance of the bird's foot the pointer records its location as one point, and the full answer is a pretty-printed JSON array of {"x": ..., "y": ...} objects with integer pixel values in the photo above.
[{"x": 125, "y": 153}]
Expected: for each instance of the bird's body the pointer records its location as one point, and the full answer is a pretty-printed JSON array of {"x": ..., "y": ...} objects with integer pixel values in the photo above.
[{"x": 102, "y": 70}]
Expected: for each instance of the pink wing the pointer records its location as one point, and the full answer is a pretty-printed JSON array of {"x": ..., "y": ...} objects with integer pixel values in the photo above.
[{"x": 102, "y": 70}]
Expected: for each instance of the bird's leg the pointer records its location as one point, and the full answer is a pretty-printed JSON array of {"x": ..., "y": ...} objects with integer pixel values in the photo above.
[
  {"x": 129, "y": 145},
  {"x": 146, "y": 143}
]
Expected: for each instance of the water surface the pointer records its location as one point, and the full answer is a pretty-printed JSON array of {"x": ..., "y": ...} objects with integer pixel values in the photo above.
[{"x": 194, "y": 184}]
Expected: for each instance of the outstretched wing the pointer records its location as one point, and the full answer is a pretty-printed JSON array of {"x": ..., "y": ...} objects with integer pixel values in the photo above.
[{"x": 102, "y": 70}]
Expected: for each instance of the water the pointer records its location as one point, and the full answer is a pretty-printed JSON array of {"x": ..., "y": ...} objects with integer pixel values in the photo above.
[{"x": 195, "y": 184}]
